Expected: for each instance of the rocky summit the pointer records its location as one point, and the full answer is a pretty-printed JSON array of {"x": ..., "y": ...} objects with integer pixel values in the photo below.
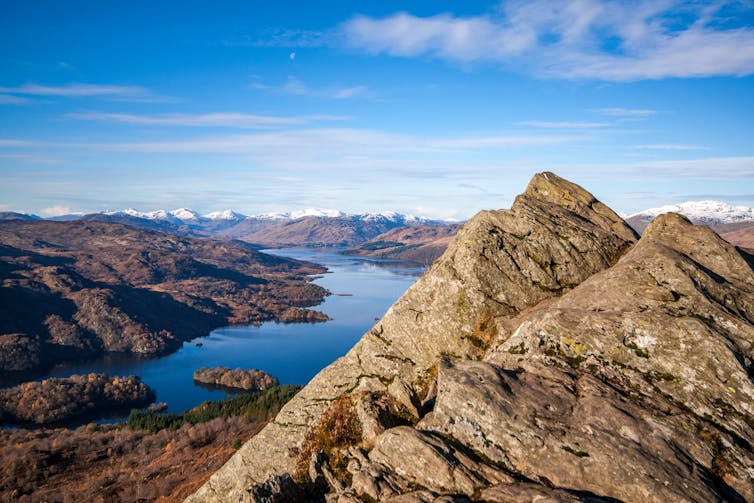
[{"x": 547, "y": 355}]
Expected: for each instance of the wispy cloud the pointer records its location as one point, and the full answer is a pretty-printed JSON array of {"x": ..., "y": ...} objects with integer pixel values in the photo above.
[
  {"x": 297, "y": 87},
  {"x": 30, "y": 158},
  {"x": 672, "y": 146},
  {"x": 289, "y": 38},
  {"x": 613, "y": 40},
  {"x": 81, "y": 90},
  {"x": 10, "y": 142},
  {"x": 564, "y": 125},
  {"x": 8, "y": 99},
  {"x": 721, "y": 168},
  {"x": 639, "y": 113},
  {"x": 226, "y": 120},
  {"x": 339, "y": 142}
]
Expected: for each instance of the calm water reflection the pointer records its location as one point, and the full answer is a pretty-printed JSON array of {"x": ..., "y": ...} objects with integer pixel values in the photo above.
[{"x": 292, "y": 352}]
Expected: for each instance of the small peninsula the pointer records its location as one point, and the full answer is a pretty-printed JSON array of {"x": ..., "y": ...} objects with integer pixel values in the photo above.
[{"x": 56, "y": 399}]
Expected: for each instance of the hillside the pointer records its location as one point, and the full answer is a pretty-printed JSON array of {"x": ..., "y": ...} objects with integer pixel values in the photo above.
[
  {"x": 421, "y": 244},
  {"x": 742, "y": 235},
  {"x": 317, "y": 231},
  {"x": 547, "y": 354},
  {"x": 81, "y": 288}
]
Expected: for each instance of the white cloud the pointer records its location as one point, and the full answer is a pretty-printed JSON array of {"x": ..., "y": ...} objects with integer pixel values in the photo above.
[
  {"x": 637, "y": 113},
  {"x": 672, "y": 146},
  {"x": 350, "y": 92},
  {"x": 9, "y": 142},
  {"x": 30, "y": 158},
  {"x": 720, "y": 168},
  {"x": 297, "y": 87},
  {"x": 614, "y": 40},
  {"x": 74, "y": 90},
  {"x": 338, "y": 142},
  {"x": 564, "y": 125},
  {"x": 229, "y": 120},
  {"x": 8, "y": 99},
  {"x": 80, "y": 90},
  {"x": 55, "y": 211},
  {"x": 290, "y": 38}
]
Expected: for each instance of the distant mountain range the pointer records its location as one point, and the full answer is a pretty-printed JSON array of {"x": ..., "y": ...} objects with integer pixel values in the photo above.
[
  {"x": 310, "y": 227},
  {"x": 709, "y": 213},
  {"x": 735, "y": 224},
  {"x": 327, "y": 227}
]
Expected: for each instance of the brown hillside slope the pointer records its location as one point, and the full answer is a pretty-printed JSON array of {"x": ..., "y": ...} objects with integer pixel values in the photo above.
[
  {"x": 421, "y": 244},
  {"x": 72, "y": 289},
  {"x": 743, "y": 237},
  {"x": 314, "y": 231}
]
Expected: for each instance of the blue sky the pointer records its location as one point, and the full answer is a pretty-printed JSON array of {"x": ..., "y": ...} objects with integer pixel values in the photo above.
[{"x": 433, "y": 108}]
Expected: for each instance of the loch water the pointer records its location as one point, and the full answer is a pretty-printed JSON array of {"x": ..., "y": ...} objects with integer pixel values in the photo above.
[{"x": 362, "y": 290}]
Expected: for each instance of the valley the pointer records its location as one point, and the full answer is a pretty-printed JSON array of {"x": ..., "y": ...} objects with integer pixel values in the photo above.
[
  {"x": 79, "y": 289},
  {"x": 87, "y": 291}
]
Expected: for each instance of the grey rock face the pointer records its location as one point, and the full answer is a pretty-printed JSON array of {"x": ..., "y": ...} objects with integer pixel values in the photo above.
[{"x": 545, "y": 356}]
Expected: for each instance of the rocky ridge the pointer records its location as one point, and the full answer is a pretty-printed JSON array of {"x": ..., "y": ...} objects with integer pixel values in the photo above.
[{"x": 547, "y": 353}]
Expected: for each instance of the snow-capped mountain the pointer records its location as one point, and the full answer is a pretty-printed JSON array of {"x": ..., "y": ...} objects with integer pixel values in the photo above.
[
  {"x": 709, "y": 213},
  {"x": 225, "y": 218},
  {"x": 178, "y": 214},
  {"x": 309, "y": 212},
  {"x": 703, "y": 212},
  {"x": 391, "y": 216},
  {"x": 185, "y": 214},
  {"x": 229, "y": 215},
  {"x": 385, "y": 216}
]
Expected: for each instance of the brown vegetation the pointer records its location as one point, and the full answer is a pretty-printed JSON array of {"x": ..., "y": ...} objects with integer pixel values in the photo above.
[
  {"x": 114, "y": 464},
  {"x": 338, "y": 429},
  {"x": 76, "y": 289},
  {"x": 60, "y": 399},
  {"x": 312, "y": 231},
  {"x": 151, "y": 457},
  {"x": 421, "y": 244},
  {"x": 247, "y": 380}
]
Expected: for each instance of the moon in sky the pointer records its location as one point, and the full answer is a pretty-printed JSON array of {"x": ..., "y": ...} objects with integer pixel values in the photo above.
[{"x": 292, "y": 56}]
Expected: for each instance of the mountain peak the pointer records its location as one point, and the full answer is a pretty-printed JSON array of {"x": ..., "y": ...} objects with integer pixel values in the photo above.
[
  {"x": 225, "y": 215},
  {"x": 500, "y": 264},
  {"x": 710, "y": 213},
  {"x": 184, "y": 214},
  {"x": 550, "y": 187}
]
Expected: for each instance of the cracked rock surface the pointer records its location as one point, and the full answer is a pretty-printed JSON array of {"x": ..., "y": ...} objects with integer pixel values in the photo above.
[{"x": 546, "y": 356}]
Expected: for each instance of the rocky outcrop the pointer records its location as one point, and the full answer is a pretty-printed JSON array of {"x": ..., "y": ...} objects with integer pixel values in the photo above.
[
  {"x": 545, "y": 356},
  {"x": 555, "y": 236}
]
